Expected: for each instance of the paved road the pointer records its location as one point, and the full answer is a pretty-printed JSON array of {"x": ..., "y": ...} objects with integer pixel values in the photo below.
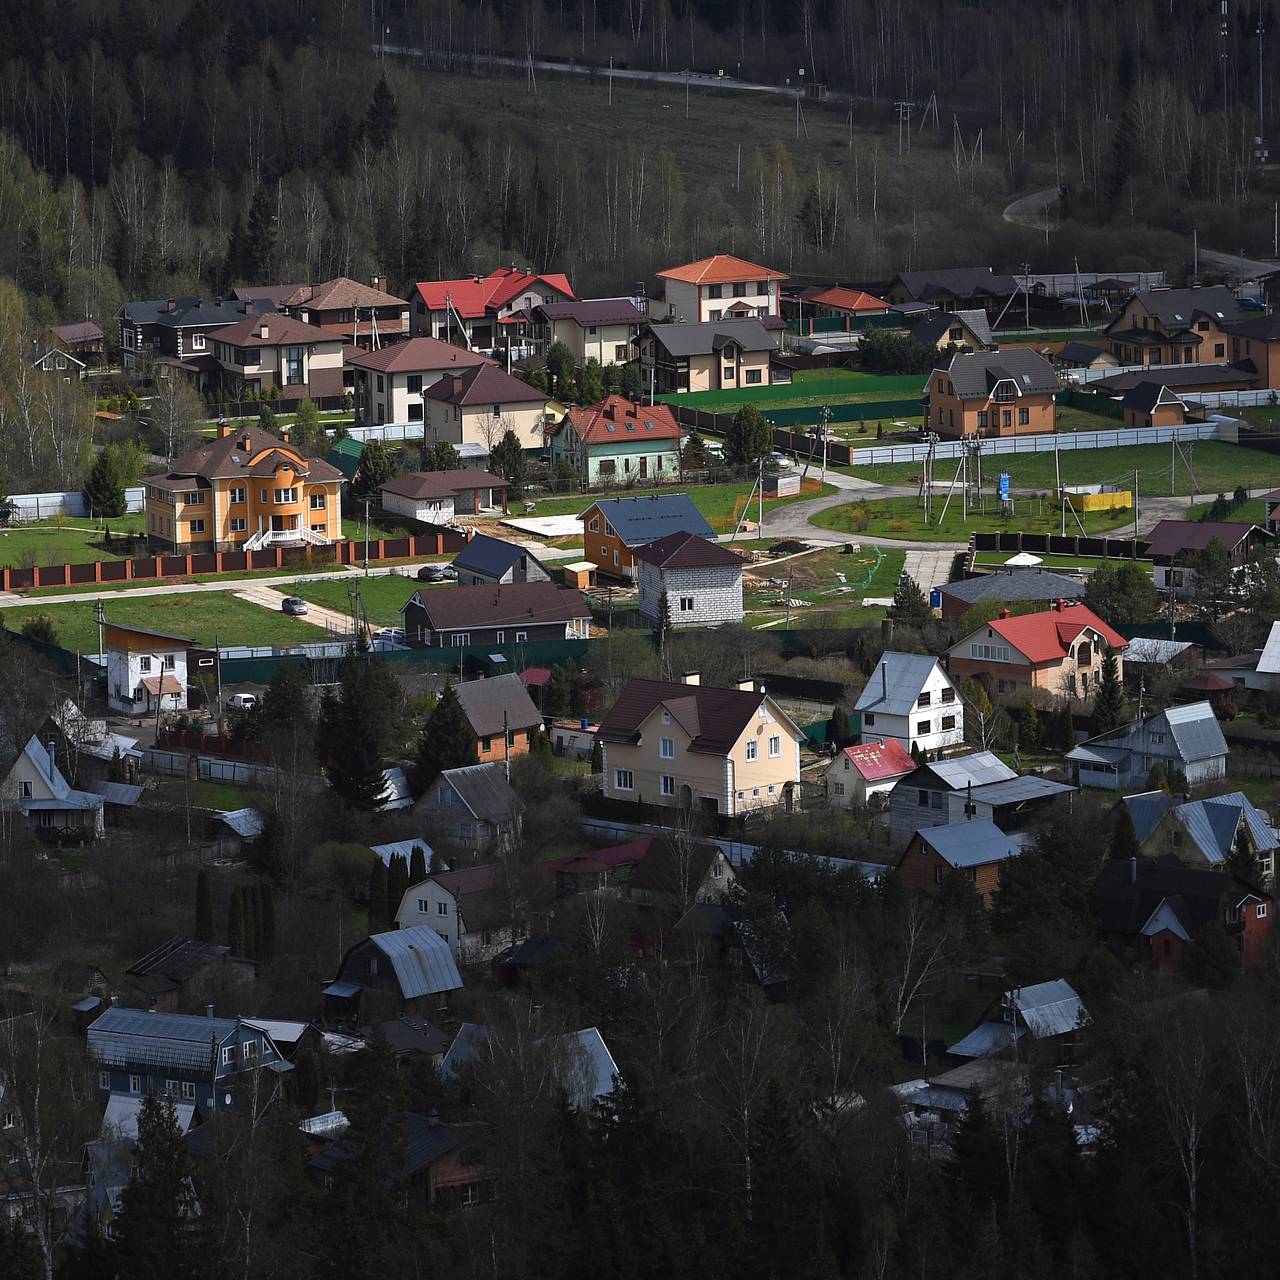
[
  {"x": 1035, "y": 210},
  {"x": 1236, "y": 266},
  {"x": 316, "y": 614}
]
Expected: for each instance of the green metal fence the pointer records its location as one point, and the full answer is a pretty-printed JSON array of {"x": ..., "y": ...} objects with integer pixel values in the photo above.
[
  {"x": 1091, "y": 402},
  {"x": 863, "y": 411},
  {"x": 833, "y": 388},
  {"x": 807, "y": 326}
]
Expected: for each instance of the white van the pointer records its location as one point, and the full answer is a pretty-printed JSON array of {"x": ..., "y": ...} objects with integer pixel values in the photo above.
[{"x": 242, "y": 702}]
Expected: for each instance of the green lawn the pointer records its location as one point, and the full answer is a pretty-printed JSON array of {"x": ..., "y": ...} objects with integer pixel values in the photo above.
[
  {"x": 904, "y": 518},
  {"x": 383, "y": 596},
  {"x": 203, "y": 616},
  {"x": 808, "y": 387},
  {"x": 1071, "y": 419},
  {"x": 1253, "y": 512},
  {"x": 353, "y": 529},
  {"x": 67, "y": 540},
  {"x": 1219, "y": 467},
  {"x": 203, "y": 793}
]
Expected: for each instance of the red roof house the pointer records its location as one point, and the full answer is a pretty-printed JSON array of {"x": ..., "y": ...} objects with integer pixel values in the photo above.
[
  {"x": 1060, "y": 650},
  {"x": 468, "y": 311},
  {"x": 859, "y": 772},
  {"x": 838, "y": 301}
]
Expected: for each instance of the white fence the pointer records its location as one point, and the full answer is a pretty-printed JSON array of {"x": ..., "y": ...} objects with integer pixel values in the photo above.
[
  {"x": 388, "y": 431},
  {"x": 1081, "y": 376},
  {"x": 1233, "y": 399},
  {"x": 44, "y": 506}
]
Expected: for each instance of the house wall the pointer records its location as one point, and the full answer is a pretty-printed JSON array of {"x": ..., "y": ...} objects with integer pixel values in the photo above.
[
  {"x": 621, "y": 461},
  {"x": 1212, "y": 347},
  {"x": 846, "y": 787},
  {"x": 1265, "y": 356},
  {"x": 879, "y": 725},
  {"x": 603, "y": 547},
  {"x": 491, "y": 750},
  {"x": 1076, "y": 675},
  {"x": 1163, "y": 415},
  {"x": 695, "y": 303},
  {"x": 608, "y": 343},
  {"x": 915, "y": 808},
  {"x": 418, "y": 630},
  {"x": 920, "y": 868},
  {"x": 713, "y": 592},
  {"x": 468, "y": 424},
  {"x": 745, "y": 369},
  {"x": 385, "y": 396},
  {"x": 428, "y": 510},
  {"x": 125, "y": 673},
  {"x": 951, "y": 416}
]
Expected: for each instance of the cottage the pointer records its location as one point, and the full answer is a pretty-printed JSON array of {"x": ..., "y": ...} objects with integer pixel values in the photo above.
[
  {"x": 614, "y": 527},
  {"x": 60, "y": 364},
  {"x": 992, "y": 393},
  {"x": 833, "y": 303},
  {"x": 1174, "y": 544},
  {"x": 487, "y": 561},
  {"x": 519, "y": 613},
  {"x": 478, "y": 406},
  {"x": 1152, "y": 404},
  {"x": 501, "y": 715},
  {"x": 602, "y": 329},
  {"x": 700, "y": 580},
  {"x": 1187, "y": 738},
  {"x": 713, "y": 356},
  {"x": 954, "y": 288},
  {"x": 1049, "y": 1012},
  {"x": 974, "y": 848},
  {"x": 912, "y": 700},
  {"x": 1008, "y": 586},
  {"x": 720, "y": 287},
  {"x": 619, "y": 441},
  {"x": 473, "y": 807},
  {"x": 578, "y": 873},
  {"x": 365, "y": 315},
  {"x": 1085, "y": 355},
  {"x": 183, "y": 969},
  {"x": 146, "y": 670},
  {"x": 89, "y": 751},
  {"x": 487, "y": 313},
  {"x": 388, "y": 382},
  {"x": 869, "y": 769},
  {"x": 405, "y": 971},
  {"x": 35, "y": 787},
  {"x": 479, "y": 911},
  {"x": 1207, "y": 833},
  {"x": 1173, "y": 326},
  {"x": 954, "y": 330},
  {"x": 440, "y": 497},
  {"x": 83, "y": 340},
  {"x": 176, "y": 331},
  {"x": 274, "y": 353},
  {"x": 679, "y": 873}
]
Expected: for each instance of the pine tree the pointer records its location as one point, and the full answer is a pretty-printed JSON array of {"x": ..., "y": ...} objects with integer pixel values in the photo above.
[
  {"x": 437, "y": 863},
  {"x": 104, "y": 486},
  {"x": 631, "y": 384},
  {"x": 1124, "y": 835},
  {"x": 377, "y": 466},
  {"x": 237, "y": 936},
  {"x": 204, "y": 907},
  {"x": 267, "y": 419},
  {"x": 442, "y": 456},
  {"x": 377, "y": 896},
  {"x": 353, "y": 731},
  {"x": 1064, "y": 728},
  {"x": 557, "y": 693},
  {"x": 1029, "y": 726},
  {"x": 509, "y": 460},
  {"x": 694, "y": 456},
  {"x": 447, "y": 740},
  {"x": 1108, "y": 701},
  {"x": 597, "y": 755},
  {"x": 382, "y": 116},
  {"x": 116, "y": 771},
  {"x": 267, "y": 920},
  {"x": 909, "y": 608},
  {"x": 306, "y": 1081},
  {"x": 749, "y": 438},
  {"x": 260, "y": 238},
  {"x": 397, "y": 883},
  {"x": 840, "y": 726},
  {"x": 417, "y": 865},
  {"x": 591, "y": 382}
]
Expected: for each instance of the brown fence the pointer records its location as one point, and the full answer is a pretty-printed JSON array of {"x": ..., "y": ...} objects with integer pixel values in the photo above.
[{"x": 159, "y": 568}]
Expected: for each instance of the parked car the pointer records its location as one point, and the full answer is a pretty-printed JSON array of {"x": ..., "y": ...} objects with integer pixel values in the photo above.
[
  {"x": 1252, "y": 304},
  {"x": 294, "y": 606},
  {"x": 390, "y": 633},
  {"x": 242, "y": 702},
  {"x": 781, "y": 460},
  {"x": 451, "y": 573},
  {"x": 431, "y": 573}
]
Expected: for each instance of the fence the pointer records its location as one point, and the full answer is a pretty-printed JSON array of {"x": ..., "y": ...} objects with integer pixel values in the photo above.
[
  {"x": 833, "y": 387},
  {"x": 817, "y": 326},
  {"x": 251, "y": 408},
  {"x": 859, "y": 411},
  {"x": 1091, "y": 402},
  {"x": 1058, "y": 545},
  {"x": 177, "y": 764},
  {"x": 1234, "y": 399},
  {"x": 26, "y": 507}
]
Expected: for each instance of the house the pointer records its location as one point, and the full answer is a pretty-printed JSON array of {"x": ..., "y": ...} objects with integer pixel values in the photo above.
[
  {"x": 1049, "y": 1012},
  {"x": 486, "y": 313},
  {"x": 487, "y": 561},
  {"x": 573, "y": 738},
  {"x": 1173, "y": 544},
  {"x": 146, "y": 670},
  {"x": 713, "y": 356},
  {"x": 35, "y": 787},
  {"x": 577, "y": 873},
  {"x": 481, "y": 404},
  {"x": 912, "y": 700},
  {"x": 519, "y": 613},
  {"x": 865, "y": 770},
  {"x": 1186, "y": 738},
  {"x": 1186, "y": 379},
  {"x": 177, "y": 330},
  {"x": 1060, "y": 650},
  {"x": 602, "y": 329},
  {"x": 682, "y": 745},
  {"x": 618, "y": 441},
  {"x": 680, "y": 873},
  {"x": 277, "y": 353},
  {"x": 1008, "y": 586},
  {"x": 1206, "y": 833},
  {"x": 837, "y": 303},
  {"x": 61, "y": 363},
  {"x": 89, "y": 751},
  {"x": 1173, "y": 326},
  {"x": 185, "y": 1056},
  {"x": 501, "y": 715},
  {"x": 237, "y": 831},
  {"x": 967, "y": 330},
  {"x": 440, "y": 497},
  {"x": 388, "y": 383},
  {"x": 473, "y": 807},
  {"x": 954, "y": 288},
  {"x": 185, "y": 969},
  {"x": 243, "y": 490},
  {"x": 405, "y": 971},
  {"x": 84, "y": 340},
  {"x": 1256, "y": 343},
  {"x": 973, "y": 848},
  {"x": 720, "y": 287},
  {"x": 471, "y": 909},
  {"x": 701, "y": 580},
  {"x": 614, "y": 527},
  {"x": 992, "y": 393},
  {"x": 1151, "y": 404},
  {"x": 1152, "y": 910},
  {"x": 365, "y": 315},
  {"x": 1085, "y": 355},
  {"x": 923, "y": 797}
]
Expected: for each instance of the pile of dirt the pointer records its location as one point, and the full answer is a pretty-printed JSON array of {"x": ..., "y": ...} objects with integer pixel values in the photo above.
[{"x": 788, "y": 547}]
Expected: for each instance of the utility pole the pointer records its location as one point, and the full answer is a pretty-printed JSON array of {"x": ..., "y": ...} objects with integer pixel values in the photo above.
[
  {"x": 760, "y": 499},
  {"x": 824, "y": 418},
  {"x": 1057, "y": 485},
  {"x": 366, "y": 537},
  {"x": 611, "y": 80},
  {"x": 1262, "y": 132},
  {"x": 1223, "y": 32},
  {"x": 904, "y": 123},
  {"x": 506, "y": 748},
  {"x": 1135, "y": 504},
  {"x": 1026, "y": 295}
]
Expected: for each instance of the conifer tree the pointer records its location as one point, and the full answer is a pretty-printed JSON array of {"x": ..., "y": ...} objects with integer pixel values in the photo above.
[
  {"x": 749, "y": 438},
  {"x": 382, "y": 116},
  {"x": 1029, "y": 726},
  {"x": 237, "y": 937},
  {"x": 260, "y": 238},
  {"x": 1108, "y": 701},
  {"x": 104, "y": 486},
  {"x": 351, "y": 735},
  {"x": 597, "y": 755},
  {"x": 664, "y": 632},
  {"x": 447, "y": 740},
  {"x": 377, "y": 896},
  {"x": 266, "y": 920},
  {"x": 204, "y": 907},
  {"x": 397, "y": 883},
  {"x": 417, "y": 865},
  {"x": 1124, "y": 835}
]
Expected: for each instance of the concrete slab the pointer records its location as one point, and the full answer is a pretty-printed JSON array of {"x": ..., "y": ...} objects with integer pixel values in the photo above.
[{"x": 546, "y": 526}]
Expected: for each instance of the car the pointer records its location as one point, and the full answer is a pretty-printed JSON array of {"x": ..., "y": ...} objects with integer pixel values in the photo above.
[
  {"x": 242, "y": 702},
  {"x": 451, "y": 573},
  {"x": 781, "y": 460},
  {"x": 431, "y": 573},
  {"x": 294, "y": 606},
  {"x": 1252, "y": 304},
  {"x": 395, "y": 634}
]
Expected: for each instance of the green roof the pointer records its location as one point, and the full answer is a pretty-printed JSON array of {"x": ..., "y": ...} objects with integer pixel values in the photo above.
[{"x": 345, "y": 455}]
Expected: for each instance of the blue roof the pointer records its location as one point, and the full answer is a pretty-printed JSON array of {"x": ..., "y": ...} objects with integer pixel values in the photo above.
[
  {"x": 645, "y": 519},
  {"x": 1146, "y": 808},
  {"x": 421, "y": 958},
  {"x": 971, "y": 844},
  {"x": 1212, "y": 825},
  {"x": 121, "y": 793},
  {"x": 896, "y": 682},
  {"x": 127, "y": 1037},
  {"x": 490, "y": 557}
]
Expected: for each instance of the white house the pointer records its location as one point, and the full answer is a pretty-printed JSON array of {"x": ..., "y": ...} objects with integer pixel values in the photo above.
[
  {"x": 472, "y": 909},
  {"x": 702, "y": 581},
  {"x": 146, "y": 670},
  {"x": 438, "y": 497},
  {"x": 1188, "y": 738},
  {"x": 389, "y": 382},
  {"x": 911, "y": 699},
  {"x": 868, "y": 769},
  {"x": 721, "y": 287},
  {"x": 35, "y": 787}
]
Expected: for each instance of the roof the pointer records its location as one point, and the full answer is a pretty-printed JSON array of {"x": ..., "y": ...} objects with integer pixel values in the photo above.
[
  {"x": 1049, "y": 1008},
  {"x": 876, "y": 761},
  {"x": 491, "y": 557},
  {"x": 274, "y": 293},
  {"x": 84, "y": 331},
  {"x": 1185, "y": 376},
  {"x": 1146, "y": 808},
  {"x": 415, "y": 355},
  {"x": 165, "y": 683},
  {"x": 396, "y": 791},
  {"x": 441, "y": 484},
  {"x": 1143, "y": 397},
  {"x": 958, "y": 282},
  {"x": 975, "y": 769},
  {"x": 976, "y": 374},
  {"x": 1196, "y": 731},
  {"x": 341, "y": 294},
  {"x": 421, "y": 959},
  {"x": 595, "y": 860},
  {"x": 246, "y": 823},
  {"x": 1171, "y": 537},
  {"x": 974, "y": 843},
  {"x": 495, "y": 704},
  {"x": 120, "y": 1119},
  {"x": 485, "y": 791},
  {"x": 483, "y": 384},
  {"x": 271, "y": 331},
  {"x": 896, "y": 683},
  {"x": 191, "y": 312},
  {"x": 1029, "y": 786},
  {"x": 122, "y": 1037},
  {"x": 404, "y": 848},
  {"x": 664, "y": 868},
  {"x": 1264, "y": 328},
  {"x": 645, "y": 519},
  {"x": 177, "y": 961},
  {"x": 474, "y": 296},
  {"x": 929, "y": 328},
  {"x": 616, "y": 420},
  {"x": 1178, "y": 308},
  {"x": 1013, "y": 586},
  {"x": 247, "y": 447},
  {"x": 1213, "y": 825},
  {"x": 1269, "y": 658},
  {"x": 682, "y": 340},
  {"x": 1150, "y": 650},
  {"x": 345, "y": 457},
  {"x": 65, "y": 796},
  {"x": 846, "y": 299},
  {"x": 124, "y": 794},
  {"x": 512, "y": 603},
  {"x": 1080, "y": 353},
  {"x": 720, "y": 268},
  {"x": 985, "y": 1039},
  {"x": 281, "y": 1031},
  {"x": 713, "y": 718},
  {"x": 685, "y": 551},
  {"x": 1047, "y": 636},
  {"x": 594, "y": 311}
]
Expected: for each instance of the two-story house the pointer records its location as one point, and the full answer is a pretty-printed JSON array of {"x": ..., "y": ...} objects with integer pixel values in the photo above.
[
  {"x": 262, "y": 353},
  {"x": 992, "y": 393},
  {"x": 1186, "y": 738},
  {"x": 184, "y": 1056},
  {"x": 146, "y": 670},
  {"x": 487, "y": 313},
  {"x": 963, "y": 330},
  {"x": 614, "y": 527},
  {"x": 519, "y": 613},
  {"x": 1174, "y": 326},
  {"x": 404, "y": 971},
  {"x": 603, "y": 329},
  {"x": 177, "y": 330},
  {"x": 1255, "y": 343},
  {"x": 677, "y": 874},
  {"x": 501, "y": 716},
  {"x": 1174, "y": 544},
  {"x": 685, "y": 745},
  {"x": 910, "y": 699},
  {"x": 618, "y": 441},
  {"x": 1060, "y": 650},
  {"x": 480, "y": 405},
  {"x": 35, "y": 787},
  {"x": 243, "y": 490},
  {"x": 720, "y": 287},
  {"x": 365, "y": 315},
  {"x": 712, "y": 356},
  {"x": 388, "y": 383},
  {"x": 701, "y": 580},
  {"x": 478, "y": 911},
  {"x": 868, "y": 769},
  {"x": 487, "y": 561}
]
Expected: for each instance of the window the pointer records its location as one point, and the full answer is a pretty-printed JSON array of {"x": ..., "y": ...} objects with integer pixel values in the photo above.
[
  {"x": 1024, "y": 417},
  {"x": 775, "y": 746},
  {"x": 197, "y": 342},
  {"x": 423, "y": 907},
  {"x": 292, "y": 366},
  {"x": 924, "y": 699},
  {"x": 499, "y": 637},
  {"x": 1006, "y": 418},
  {"x": 442, "y": 908},
  {"x": 413, "y": 384},
  {"x": 135, "y": 1084},
  {"x": 923, "y": 726},
  {"x": 238, "y": 524},
  {"x": 319, "y": 501},
  {"x": 668, "y": 785},
  {"x": 754, "y": 377},
  {"x": 522, "y": 637},
  {"x": 1262, "y": 911},
  {"x": 728, "y": 372},
  {"x": 486, "y": 743},
  {"x": 594, "y": 524},
  {"x": 195, "y": 498},
  {"x": 170, "y": 662},
  {"x": 991, "y": 652},
  {"x": 236, "y": 494},
  {"x": 283, "y": 496},
  {"x": 144, "y": 664},
  {"x": 371, "y": 966},
  {"x": 869, "y": 718},
  {"x": 715, "y": 291},
  {"x": 755, "y": 793},
  {"x": 229, "y": 1055},
  {"x": 1219, "y": 350},
  {"x": 623, "y": 780},
  {"x": 667, "y": 748},
  {"x": 188, "y": 1090},
  {"x": 171, "y": 1088},
  {"x": 686, "y": 604},
  {"x": 460, "y": 638},
  {"x": 104, "y": 1079},
  {"x": 922, "y": 799},
  {"x": 197, "y": 526},
  {"x": 415, "y": 413},
  {"x": 948, "y": 694},
  {"x": 382, "y": 383},
  {"x": 740, "y": 290},
  {"x": 620, "y": 353},
  {"x": 839, "y": 788},
  {"x": 948, "y": 722}
]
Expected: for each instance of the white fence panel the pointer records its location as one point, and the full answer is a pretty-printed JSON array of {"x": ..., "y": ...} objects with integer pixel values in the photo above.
[{"x": 44, "y": 506}]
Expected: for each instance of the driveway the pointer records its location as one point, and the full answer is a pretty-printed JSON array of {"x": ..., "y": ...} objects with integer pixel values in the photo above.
[{"x": 319, "y": 616}]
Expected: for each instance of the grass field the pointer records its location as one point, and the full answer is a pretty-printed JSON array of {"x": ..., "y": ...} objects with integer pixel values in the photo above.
[
  {"x": 903, "y": 518},
  {"x": 1219, "y": 468},
  {"x": 1253, "y": 512},
  {"x": 69, "y": 540},
  {"x": 203, "y": 616},
  {"x": 816, "y": 585},
  {"x": 382, "y": 597},
  {"x": 808, "y": 388}
]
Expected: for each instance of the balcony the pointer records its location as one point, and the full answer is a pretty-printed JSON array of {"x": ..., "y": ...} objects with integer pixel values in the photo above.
[{"x": 298, "y": 537}]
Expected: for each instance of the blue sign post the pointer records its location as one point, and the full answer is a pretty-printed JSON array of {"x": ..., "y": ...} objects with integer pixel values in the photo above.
[{"x": 1002, "y": 487}]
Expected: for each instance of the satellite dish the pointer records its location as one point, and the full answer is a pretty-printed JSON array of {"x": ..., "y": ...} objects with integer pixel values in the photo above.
[{"x": 226, "y": 1099}]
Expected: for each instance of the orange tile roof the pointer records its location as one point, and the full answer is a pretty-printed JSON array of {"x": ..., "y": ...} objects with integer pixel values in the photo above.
[
  {"x": 849, "y": 300},
  {"x": 1046, "y": 636},
  {"x": 720, "y": 268}
]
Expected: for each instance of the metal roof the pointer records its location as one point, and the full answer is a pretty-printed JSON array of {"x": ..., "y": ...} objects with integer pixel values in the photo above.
[
  {"x": 396, "y": 790},
  {"x": 896, "y": 683},
  {"x": 978, "y": 768},
  {"x": 1016, "y": 790},
  {"x": 1096, "y": 755},
  {"x": 985, "y": 1039},
  {"x": 970, "y": 844},
  {"x": 121, "y": 793},
  {"x": 246, "y": 823},
  {"x": 421, "y": 958},
  {"x": 1158, "y": 652},
  {"x": 1196, "y": 731},
  {"x": 404, "y": 848},
  {"x": 1146, "y": 808},
  {"x": 490, "y": 557},
  {"x": 120, "y": 1119},
  {"x": 344, "y": 990},
  {"x": 1213, "y": 825},
  {"x": 1049, "y": 1008},
  {"x": 127, "y": 1037},
  {"x": 646, "y": 519},
  {"x": 495, "y": 704},
  {"x": 1269, "y": 660},
  {"x": 484, "y": 790}
]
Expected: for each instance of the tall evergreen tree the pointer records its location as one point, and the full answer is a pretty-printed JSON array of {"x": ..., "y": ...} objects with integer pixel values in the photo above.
[
  {"x": 377, "y": 466},
  {"x": 442, "y": 456},
  {"x": 664, "y": 633},
  {"x": 377, "y": 896},
  {"x": 397, "y": 883},
  {"x": 237, "y": 933},
  {"x": 557, "y": 693},
  {"x": 909, "y": 608},
  {"x": 260, "y": 238},
  {"x": 382, "y": 116},
  {"x": 204, "y": 907},
  {"x": 511, "y": 463},
  {"x": 266, "y": 920},
  {"x": 447, "y": 740},
  {"x": 1108, "y": 701},
  {"x": 104, "y": 486},
  {"x": 749, "y": 438},
  {"x": 351, "y": 735},
  {"x": 417, "y": 865},
  {"x": 1029, "y": 726},
  {"x": 1124, "y": 835}
]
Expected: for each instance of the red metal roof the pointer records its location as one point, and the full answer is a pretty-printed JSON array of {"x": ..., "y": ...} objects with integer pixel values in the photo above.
[
  {"x": 616, "y": 418},
  {"x": 876, "y": 761},
  {"x": 1046, "y": 636},
  {"x": 476, "y": 296}
]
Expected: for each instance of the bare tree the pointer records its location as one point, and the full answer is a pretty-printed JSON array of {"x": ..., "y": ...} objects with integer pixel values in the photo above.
[
  {"x": 920, "y": 955},
  {"x": 175, "y": 413}
]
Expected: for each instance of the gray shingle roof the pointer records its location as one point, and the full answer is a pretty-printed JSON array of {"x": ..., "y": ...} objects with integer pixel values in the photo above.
[
  {"x": 192, "y": 311},
  {"x": 485, "y": 702},
  {"x": 960, "y": 282},
  {"x": 976, "y": 374},
  {"x": 485, "y": 792},
  {"x": 970, "y": 844},
  {"x": 1178, "y": 308},
  {"x": 1172, "y": 537},
  {"x": 421, "y": 959},
  {"x": 594, "y": 311},
  {"x": 1015, "y": 585},
  {"x": 646, "y": 519},
  {"x": 896, "y": 683},
  {"x": 1143, "y": 397},
  {"x": 928, "y": 329},
  {"x": 490, "y": 557},
  {"x": 682, "y": 340}
]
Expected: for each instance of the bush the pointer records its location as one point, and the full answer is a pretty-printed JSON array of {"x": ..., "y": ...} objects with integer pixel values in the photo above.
[{"x": 345, "y": 866}]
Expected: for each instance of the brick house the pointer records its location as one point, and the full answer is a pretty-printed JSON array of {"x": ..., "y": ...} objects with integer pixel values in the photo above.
[
  {"x": 487, "y": 313},
  {"x": 1256, "y": 342},
  {"x": 478, "y": 406},
  {"x": 713, "y": 356},
  {"x": 975, "y": 849},
  {"x": 992, "y": 393},
  {"x": 953, "y": 288},
  {"x": 494, "y": 706},
  {"x": 720, "y": 287},
  {"x": 261, "y": 353},
  {"x": 365, "y": 315},
  {"x": 1151, "y": 404},
  {"x": 702, "y": 581},
  {"x": 176, "y": 331},
  {"x": 614, "y": 527},
  {"x": 1174, "y": 326}
]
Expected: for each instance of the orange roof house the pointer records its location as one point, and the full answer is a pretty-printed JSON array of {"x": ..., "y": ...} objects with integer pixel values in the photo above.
[
  {"x": 720, "y": 287},
  {"x": 840, "y": 301}
]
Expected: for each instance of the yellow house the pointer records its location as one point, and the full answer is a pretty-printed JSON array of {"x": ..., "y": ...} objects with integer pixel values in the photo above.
[
  {"x": 480, "y": 405},
  {"x": 1174, "y": 326},
  {"x": 243, "y": 491},
  {"x": 716, "y": 356},
  {"x": 683, "y": 745}
]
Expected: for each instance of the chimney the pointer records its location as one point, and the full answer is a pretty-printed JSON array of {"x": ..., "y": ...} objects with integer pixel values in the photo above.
[
  {"x": 224, "y": 428},
  {"x": 264, "y": 331},
  {"x": 884, "y": 681},
  {"x": 1004, "y": 613},
  {"x": 747, "y": 686},
  {"x": 433, "y": 1119},
  {"x": 284, "y": 434},
  {"x": 52, "y": 748},
  {"x": 115, "y": 1000},
  {"x": 379, "y": 283},
  {"x": 244, "y": 307},
  {"x": 1060, "y": 604},
  {"x": 691, "y": 677},
  {"x": 170, "y": 305},
  {"x": 1133, "y": 870},
  {"x": 208, "y": 1011}
]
